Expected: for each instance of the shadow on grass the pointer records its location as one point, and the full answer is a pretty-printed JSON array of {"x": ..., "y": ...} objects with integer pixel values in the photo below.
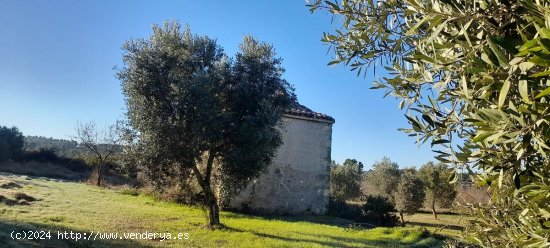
[
  {"x": 426, "y": 240},
  {"x": 440, "y": 212},
  {"x": 50, "y": 172},
  {"x": 336, "y": 241},
  {"x": 7, "y": 227},
  {"x": 444, "y": 226},
  {"x": 316, "y": 219}
]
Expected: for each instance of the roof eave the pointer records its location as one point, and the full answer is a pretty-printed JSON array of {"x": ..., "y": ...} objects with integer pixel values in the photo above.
[{"x": 330, "y": 121}]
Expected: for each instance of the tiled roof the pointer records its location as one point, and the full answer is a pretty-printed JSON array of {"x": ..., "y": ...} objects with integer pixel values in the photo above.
[{"x": 298, "y": 109}]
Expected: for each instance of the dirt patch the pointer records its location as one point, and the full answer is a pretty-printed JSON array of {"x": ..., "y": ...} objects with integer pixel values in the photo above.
[
  {"x": 7, "y": 201},
  {"x": 21, "y": 199},
  {"x": 23, "y": 202},
  {"x": 9, "y": 185},
  {"x": 22, "y": 196}
]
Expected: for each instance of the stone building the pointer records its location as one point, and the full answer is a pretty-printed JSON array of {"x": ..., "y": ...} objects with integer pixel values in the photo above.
[{"x": 297, "y": 181}]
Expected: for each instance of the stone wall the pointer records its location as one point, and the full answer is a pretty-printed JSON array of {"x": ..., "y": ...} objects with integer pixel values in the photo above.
[{"x": 297, "y": 181}]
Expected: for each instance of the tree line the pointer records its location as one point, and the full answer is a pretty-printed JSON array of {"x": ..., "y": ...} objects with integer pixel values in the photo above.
[{"x": 385, "y": 185}]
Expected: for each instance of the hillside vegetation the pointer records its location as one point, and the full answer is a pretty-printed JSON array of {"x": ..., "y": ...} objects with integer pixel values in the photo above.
[{"x": 42, "y": 204}]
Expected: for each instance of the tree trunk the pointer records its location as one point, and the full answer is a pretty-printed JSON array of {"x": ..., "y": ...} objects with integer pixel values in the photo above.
[
  {"x": 99, "y": 175},
  {"x": 402, "y": 219},
  {"x": 433, "y": 210},
  {"x": 210, "y": 198},
  {"x": 213, "y": 208},
  {"x": 213, "y": 213}
]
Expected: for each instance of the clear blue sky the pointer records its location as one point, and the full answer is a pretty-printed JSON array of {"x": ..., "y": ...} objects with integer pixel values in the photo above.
[{"x": 57, "y": 59}]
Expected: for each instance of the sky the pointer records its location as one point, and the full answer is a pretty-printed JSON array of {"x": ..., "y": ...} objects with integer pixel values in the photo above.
[{"x": 57, "y": 62}]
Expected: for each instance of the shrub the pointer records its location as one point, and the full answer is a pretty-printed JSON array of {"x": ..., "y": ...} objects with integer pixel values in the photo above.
[
  {"x": 379, "y": 210},
  {"x": 50, "y": 156},
  {"x": 41, "y": 155},
  {"x": 187, "y": 193},
  {"x": 341, "y": 209}
]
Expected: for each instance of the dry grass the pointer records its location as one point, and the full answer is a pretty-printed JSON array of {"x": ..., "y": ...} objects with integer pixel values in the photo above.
[
  {"x": 448, "y": 223},
  {"x": 42, "y": 169},
  {"x": 472, "y": 195}
]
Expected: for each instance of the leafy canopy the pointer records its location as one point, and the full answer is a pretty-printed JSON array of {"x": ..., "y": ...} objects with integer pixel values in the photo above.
[
  {"x": 196, "y": 112},
  {"x": 11, "y": 142},
  {"x": 345, "y": 180},
  {"x": 383, "y": 177},
  {"x": 474, "y": 79},
  {"x": 409, "y": 194},
  {"x": 439, "y": 191}
]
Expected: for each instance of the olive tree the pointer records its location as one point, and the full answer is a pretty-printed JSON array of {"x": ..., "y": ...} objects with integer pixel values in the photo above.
[
  {"x": 409, "y": 194},
  {"x": 345, "y": 180},
  {"x": 436, "y": 184},
  {"x": 383, "y": 178},
  {"x": 196, "y": 112},
  {"x": 473, "y": 77}
]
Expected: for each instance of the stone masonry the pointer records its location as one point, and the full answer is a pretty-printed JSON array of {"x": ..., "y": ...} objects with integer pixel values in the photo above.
[{"x": 297, "y": 181}]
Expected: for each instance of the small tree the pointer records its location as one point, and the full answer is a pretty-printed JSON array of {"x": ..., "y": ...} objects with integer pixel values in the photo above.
[
  {"x": 345, "y": 180},
  {"x": 384, "y": 178},
  {"x": 101, "y": 143},
  {"x": 409, "y": 194},
  {"x": 438, "y": 189}
]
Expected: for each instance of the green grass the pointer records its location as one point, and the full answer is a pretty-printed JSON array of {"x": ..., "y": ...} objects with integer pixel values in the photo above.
[{"x": 69, "y": 206}]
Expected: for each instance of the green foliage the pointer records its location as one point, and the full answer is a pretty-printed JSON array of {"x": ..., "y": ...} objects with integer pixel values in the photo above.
[
  {"x": 11, "y": 142},
  {"x": 409, "y": 195},
  {"x": 439, "y": 191},
  {"x": 474, "y": 79},
  {"x": 354, "y": 162},
  {"x": 342, "y": 209},
  {"x": 379, "y": 210},
  {"x": 195, "y": 112},
  {"x": 345, "y": 180},
  {"x": 384, "y": 178}
]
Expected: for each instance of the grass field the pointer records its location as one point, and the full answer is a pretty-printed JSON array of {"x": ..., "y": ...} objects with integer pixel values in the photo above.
[
  {"x": 80, "y": 208},
  {"x": 450, "y": 225}
]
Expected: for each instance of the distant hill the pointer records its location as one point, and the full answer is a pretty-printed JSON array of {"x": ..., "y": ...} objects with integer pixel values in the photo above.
[
  {"x": 64, "y": 148},
  {"x": 61, "y": 147}
]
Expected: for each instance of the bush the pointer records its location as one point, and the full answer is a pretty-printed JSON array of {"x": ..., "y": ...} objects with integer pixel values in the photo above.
[
  {"x": 41, "y": 155},
  {"x": 341, "y": 209},
  {"x": 379, "y": 210},
  {"x": 50, "y": 156}
]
